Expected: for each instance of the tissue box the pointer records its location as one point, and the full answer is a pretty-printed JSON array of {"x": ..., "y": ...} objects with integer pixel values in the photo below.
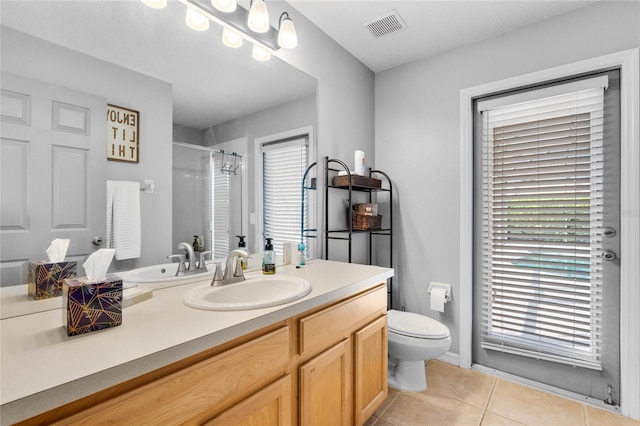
[
  {"x": 46, "y": 278},
  {"x": 91, "y": 306}
]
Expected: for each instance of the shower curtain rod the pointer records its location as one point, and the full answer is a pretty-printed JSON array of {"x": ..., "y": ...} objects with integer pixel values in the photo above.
[{"x": 207, "y": 148}]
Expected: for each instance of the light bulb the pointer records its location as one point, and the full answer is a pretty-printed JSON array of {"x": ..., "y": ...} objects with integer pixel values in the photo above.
[
  {"x": 197, "y": 21},
  {"x": 260, "y": 54},
  {"x": 287, "y": 38},
  {"x": 258, "y": 20},
  {"x": 156, "y": 4},
  {"x": 231, "y": 39},
  {"x": 224, "y": 5}
]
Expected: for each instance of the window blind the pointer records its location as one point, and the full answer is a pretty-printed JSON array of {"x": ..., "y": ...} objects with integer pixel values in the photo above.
[
  {"x": 284, "y": 164},
  {"x": 542, "y": 214},
  {"x": 221, "y": 210}
]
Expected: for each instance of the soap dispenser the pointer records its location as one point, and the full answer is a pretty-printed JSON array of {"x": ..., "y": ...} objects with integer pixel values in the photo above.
[
  {"x": 242, "y": 244},
  {"x": 268, "y": 259},
  {"x": 196, "y": 243},
  {"x": 301, "y": 255}
]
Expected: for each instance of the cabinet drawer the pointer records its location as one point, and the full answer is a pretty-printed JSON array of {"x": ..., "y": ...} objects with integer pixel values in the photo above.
[
  {"x": 197, "y": 390},
  {"x": 329, "y": 326}
]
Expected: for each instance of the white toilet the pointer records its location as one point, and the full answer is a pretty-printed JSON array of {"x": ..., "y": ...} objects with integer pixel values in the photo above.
[{"x": 413, "y": 338}]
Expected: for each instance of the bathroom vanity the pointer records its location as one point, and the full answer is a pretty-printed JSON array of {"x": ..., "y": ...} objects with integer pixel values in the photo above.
[{"x": 319, "y": 360}]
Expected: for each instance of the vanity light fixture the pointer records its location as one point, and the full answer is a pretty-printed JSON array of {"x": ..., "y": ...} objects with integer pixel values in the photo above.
[
  {"x": 260, "y": 54},
  {"x": 156, "y": 4},
  {"x": 258, "y": 19},
  {"x": 287, "y": 37},
  {"x": 224, "y": 5},
  {"x": 197, "y": 21},
  {"x": 239, "y": 23},
  {"x": 231, "y": 38}
]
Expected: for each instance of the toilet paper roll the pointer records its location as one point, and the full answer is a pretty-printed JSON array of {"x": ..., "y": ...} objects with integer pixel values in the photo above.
[
  {"x": 438, "y": 298},
  {"x": 358, "y": 160}
]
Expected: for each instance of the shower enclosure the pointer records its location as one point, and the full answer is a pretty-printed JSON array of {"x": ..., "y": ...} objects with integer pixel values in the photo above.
[{"x": 207, "y": 197}]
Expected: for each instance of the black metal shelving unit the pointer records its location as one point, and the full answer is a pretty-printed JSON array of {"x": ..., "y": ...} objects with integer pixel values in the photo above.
[
  {"x": 307, "y": 186},
  {"x": 334, "y": 166}
]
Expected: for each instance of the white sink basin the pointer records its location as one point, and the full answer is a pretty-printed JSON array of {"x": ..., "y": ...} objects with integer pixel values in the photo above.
[
  {"x": 253, "y": 293},
  {"x": 161, "y": 276}
]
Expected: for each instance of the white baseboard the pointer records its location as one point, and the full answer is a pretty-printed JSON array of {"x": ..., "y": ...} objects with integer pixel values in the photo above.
[
  {"x": 546, "y": 388},
  {"x": 450, "y": 358}
]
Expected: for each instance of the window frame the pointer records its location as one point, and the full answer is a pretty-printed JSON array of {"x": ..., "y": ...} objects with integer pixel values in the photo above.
[{"x": 256, "y": 217}]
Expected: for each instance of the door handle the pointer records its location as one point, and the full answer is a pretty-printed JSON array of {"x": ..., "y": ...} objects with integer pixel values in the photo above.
[
  {"x": 97, "y": 241},
  {"x": 609, "y": 255}
]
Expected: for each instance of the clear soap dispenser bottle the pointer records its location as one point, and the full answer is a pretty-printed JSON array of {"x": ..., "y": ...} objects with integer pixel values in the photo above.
[
  {"x": 268, "y": 259},
  {"x": 242, "y": 244}
]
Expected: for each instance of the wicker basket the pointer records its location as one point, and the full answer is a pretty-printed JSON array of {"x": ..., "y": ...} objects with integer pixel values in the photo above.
[
  {"x": 367, "y": 209},
  {"x": 363, "y": 222}
]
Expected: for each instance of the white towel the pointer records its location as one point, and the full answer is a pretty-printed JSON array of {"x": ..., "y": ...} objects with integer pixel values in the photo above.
[{"x": 123, "y": 219}]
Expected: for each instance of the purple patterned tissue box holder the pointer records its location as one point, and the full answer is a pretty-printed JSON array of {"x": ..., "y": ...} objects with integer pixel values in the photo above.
[
  {"x": 46, "y": 278},
  {"x": 91, "y": 306}
]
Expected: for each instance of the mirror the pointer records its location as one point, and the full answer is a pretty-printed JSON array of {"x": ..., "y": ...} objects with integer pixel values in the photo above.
[{"x": 212, "y": 88}]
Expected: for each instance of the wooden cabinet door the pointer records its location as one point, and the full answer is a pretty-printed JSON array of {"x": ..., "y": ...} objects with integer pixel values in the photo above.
[
  {"x": 325, "y": 387},
  {"x": 270, "y": 406},
  {"x": 370, "y": 369}
]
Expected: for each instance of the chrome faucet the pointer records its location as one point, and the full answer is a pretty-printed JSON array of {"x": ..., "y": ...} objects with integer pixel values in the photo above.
[
  {"x": 191, "y": 255},
  {"x": 201, "y": 262},
  {"x": 233, "y": 269}
]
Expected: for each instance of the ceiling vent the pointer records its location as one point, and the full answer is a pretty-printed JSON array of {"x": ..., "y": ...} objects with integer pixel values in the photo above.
[{"x": 389, "y": 23}]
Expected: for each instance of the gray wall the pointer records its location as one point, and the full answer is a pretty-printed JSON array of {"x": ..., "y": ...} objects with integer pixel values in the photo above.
[
  {"x": 280, "y": 118},
  {"x": 345, "y": 95},
  {"x": 187, "y": 135},
  {"x": 417, "y": 131}
]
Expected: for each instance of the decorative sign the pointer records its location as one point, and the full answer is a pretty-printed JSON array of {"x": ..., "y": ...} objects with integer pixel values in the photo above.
[{"x": 123, "y": 142}]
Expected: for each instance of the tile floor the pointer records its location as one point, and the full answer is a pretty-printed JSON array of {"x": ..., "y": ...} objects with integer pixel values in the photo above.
[{"x": 458, "y": 397}]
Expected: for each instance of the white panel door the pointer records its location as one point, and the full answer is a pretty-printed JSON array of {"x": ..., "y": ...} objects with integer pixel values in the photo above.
[{"x": 53, "y": 173}]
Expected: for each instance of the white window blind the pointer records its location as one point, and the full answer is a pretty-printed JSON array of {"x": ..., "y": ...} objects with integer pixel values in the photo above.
[
  {"x": 284, "y": 164},
  {"x": 221, "y": 209},
  {"x": 542, "y": 213}
]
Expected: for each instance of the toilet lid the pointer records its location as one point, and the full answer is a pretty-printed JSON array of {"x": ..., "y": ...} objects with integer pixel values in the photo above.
[{"x": 415, "y": 325}]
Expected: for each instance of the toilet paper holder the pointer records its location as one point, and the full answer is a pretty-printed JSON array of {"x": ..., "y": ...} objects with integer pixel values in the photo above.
[{"x": 446, "y": 287}]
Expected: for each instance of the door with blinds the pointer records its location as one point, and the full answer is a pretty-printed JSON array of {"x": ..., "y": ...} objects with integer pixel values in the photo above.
[{"x": 546, "y": 243}]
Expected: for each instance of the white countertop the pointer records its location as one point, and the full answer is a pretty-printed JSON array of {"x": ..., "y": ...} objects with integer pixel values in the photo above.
[{"x": 42, "y": 368}]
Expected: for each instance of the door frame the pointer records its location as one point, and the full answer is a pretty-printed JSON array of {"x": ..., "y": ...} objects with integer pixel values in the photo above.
[{"x": 629, "y": 63}]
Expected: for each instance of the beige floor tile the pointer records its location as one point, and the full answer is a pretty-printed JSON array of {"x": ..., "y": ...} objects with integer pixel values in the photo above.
[
  {"x": 468, "y": 386},
  {"x": 533, "y": 407},
  {"x": 598, "y": 417},
  {"x": 372, "y": 421},
  {"x": 392, "y": 395},
  {"x": 431, "y": 408},
  {"x": 491, "y": 419}
]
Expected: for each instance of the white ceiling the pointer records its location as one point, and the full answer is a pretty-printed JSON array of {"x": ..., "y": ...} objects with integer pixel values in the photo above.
[{"x": 433, "y": 27}]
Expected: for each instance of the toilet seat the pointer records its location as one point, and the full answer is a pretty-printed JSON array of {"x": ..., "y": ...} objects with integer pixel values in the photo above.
[{"x": 415, "y": 325}]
